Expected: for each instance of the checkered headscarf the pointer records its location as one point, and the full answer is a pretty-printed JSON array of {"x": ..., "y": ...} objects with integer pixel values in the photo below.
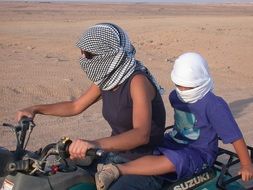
[{"x": 114, "y": 60}]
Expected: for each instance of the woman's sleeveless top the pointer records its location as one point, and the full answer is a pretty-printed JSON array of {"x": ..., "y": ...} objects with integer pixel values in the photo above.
[{"x": 118, "y": 111}]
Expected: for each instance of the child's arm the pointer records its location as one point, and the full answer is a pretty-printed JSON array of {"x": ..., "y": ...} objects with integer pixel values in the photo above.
[{"x": 246, "y": 166}]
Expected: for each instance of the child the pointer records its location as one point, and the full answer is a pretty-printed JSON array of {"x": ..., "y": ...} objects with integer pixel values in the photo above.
[{"x": 200, "y": 118}]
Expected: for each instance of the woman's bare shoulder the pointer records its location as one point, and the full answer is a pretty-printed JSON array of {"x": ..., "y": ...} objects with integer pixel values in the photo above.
[{"x": 141, "y": 85}]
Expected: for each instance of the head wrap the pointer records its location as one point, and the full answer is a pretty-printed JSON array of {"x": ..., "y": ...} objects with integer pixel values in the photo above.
[
  {"x": 114, "y": 60},
  {"x": 191, "y": 70}
]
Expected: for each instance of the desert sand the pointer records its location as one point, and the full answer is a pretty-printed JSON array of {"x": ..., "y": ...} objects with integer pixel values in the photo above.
[{"x": 40, "y": 63}]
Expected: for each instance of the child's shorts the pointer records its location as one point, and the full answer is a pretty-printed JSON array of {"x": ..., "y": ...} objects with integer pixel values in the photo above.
[{"x": 188, "y": 161}]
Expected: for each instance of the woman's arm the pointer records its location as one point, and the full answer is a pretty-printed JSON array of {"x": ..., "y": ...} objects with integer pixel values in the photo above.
[
  {"x": 67, "y": 108},
  {"x": 142, "y": 94},
  {"x": 246, "y": 166}
]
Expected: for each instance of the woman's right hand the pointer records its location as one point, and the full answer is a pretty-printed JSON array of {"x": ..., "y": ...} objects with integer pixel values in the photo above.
[
  {"x": 28, "y": 112},
  {"x": 79, "y": 147}
]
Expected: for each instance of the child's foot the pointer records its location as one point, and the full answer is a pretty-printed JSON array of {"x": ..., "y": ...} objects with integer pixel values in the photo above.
[{"x": 105, "y": 175}]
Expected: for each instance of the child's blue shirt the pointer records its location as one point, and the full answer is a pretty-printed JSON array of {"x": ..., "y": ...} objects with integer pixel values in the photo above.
[{"x": 198, "y": 125}]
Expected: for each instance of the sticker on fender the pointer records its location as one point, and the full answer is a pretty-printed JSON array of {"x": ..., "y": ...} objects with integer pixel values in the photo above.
[{"x": 7, "y": 185}]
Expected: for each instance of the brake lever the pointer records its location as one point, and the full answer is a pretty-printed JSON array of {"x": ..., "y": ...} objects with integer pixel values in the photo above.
[{"x": 12, "y": 127}]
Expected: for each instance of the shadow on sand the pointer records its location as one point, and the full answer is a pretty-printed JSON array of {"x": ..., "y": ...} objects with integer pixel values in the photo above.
[{"x": 237, "y": 107}]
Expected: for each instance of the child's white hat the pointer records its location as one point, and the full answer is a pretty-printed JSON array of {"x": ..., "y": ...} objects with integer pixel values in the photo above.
[{"x": 190, "y": 70}]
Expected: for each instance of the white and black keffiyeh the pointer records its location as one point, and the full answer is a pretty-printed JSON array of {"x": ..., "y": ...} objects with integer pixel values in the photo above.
[{"x": 114, "y": 60}]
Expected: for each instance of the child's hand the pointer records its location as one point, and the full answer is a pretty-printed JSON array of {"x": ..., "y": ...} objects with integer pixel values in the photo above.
[{"x": 247, "y": 172}]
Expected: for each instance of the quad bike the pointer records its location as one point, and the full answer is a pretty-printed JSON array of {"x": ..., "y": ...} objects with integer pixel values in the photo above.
[{"x": 25, "y": 170}]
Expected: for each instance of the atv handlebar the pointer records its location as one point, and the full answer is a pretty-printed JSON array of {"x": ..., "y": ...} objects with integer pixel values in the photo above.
[
  {"x": 10, "y": 164},
  {"x": 24, "y": 125},
  {"x": 30, "y": 162}
]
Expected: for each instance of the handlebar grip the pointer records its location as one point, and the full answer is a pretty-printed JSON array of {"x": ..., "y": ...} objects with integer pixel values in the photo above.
[
  {"x": 25, "y": 120},
  {"x": 63, "y": 149},
  {"x": 95, "y": 152},
  {"x": 90, "y": 152}
]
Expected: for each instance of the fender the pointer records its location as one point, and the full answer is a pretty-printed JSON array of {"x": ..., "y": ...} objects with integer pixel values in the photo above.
[
  {"x": 199, "y": 179},
  {"x": 195, "y": 181}
]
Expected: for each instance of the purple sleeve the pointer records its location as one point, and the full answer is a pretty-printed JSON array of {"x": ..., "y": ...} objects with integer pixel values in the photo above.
[
  {"x": 223, "y": 122},
  {"x": 172, "y": 97}
]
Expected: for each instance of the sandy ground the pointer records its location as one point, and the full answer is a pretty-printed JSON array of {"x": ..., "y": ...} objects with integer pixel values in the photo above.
[{"x": 39, "y": 60}]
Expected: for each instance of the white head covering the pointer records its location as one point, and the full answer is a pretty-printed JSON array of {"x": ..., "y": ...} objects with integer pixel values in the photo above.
[{"x": 191, "y": 70}]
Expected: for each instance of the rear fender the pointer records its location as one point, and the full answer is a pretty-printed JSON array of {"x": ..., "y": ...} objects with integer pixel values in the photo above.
[{"x": 193, "y": 182}]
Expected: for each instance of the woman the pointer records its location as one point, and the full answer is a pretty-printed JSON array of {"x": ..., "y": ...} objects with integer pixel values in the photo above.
[{"x": 132, "y": 104}]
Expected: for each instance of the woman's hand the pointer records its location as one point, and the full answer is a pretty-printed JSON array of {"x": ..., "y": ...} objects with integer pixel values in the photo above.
[
  {"x": 28, "y": 112},
  {"x": 246, "y": 172},
  {"x": 78, "y": 148}
]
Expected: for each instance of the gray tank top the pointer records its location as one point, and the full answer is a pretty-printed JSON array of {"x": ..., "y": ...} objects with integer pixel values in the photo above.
[{"x": 118, "y": 111}]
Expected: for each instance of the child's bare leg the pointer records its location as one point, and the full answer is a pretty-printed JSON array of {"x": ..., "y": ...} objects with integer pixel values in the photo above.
[{"x": 147, "y": 165}]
